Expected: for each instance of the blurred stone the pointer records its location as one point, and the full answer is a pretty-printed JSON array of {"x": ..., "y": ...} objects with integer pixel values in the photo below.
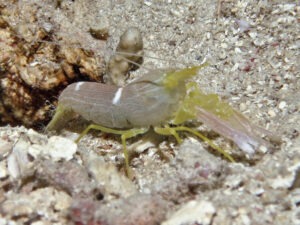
[{"x": 193, "y": 212}]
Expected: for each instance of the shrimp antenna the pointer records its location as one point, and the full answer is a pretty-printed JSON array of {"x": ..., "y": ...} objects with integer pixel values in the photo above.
[{"x": 131, "y": 61}]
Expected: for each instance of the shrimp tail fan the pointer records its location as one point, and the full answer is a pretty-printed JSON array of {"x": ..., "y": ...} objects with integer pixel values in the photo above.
[
  {"x": 237, "y": 128},
  {"x": 223, "y": 119}
]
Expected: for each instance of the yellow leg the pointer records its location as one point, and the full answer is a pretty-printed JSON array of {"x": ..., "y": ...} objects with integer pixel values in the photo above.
[
  {"x": 125, "y": 134},
  {"x": 173, "y": 131},
  {"x": 168, "y": 131},
  {"x": 61, "y": 117}
]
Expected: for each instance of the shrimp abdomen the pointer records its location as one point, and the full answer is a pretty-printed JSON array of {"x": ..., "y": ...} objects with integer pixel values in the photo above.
[
  {"x": 93, "y": 101},
  {"x": 139, "y": 104}
]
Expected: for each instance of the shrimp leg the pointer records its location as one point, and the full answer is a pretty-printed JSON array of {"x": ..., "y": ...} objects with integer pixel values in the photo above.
[
  {"x": 167, "y": 130},
  {"x": 125, "y": 134},
  {"x": 173, "y": 131},
  {"x": 60, "y": 119}
]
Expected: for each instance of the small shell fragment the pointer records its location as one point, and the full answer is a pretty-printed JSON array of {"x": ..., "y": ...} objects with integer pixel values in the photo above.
[
  {"x": 60, "y": 148},
  {"x": 18, "y": 161}
]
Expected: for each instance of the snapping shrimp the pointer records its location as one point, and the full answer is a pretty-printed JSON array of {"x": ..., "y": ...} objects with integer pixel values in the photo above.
[{"x": 158, "y": 99}]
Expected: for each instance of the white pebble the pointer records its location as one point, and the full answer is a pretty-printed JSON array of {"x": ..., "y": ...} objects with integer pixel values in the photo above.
[
  {"x": 5, "y": 148},
  {"x": 271, "y": 113},
  {"x": 60, "y": 148},
  {"x": 13, "y": 166},
  {"x": 282, "y": 105},
  {"x": 3, "y": 170},
  {"x": 243, "y": 107}
]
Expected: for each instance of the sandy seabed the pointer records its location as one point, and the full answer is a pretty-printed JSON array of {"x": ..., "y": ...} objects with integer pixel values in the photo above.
[{"x": 253, "y": 51}]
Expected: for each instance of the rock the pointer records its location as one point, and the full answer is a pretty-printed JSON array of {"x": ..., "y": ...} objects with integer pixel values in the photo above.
[
  {"x": 60, "y": 148},
  {"x": 106, "y": 175},
  {"x": 193, "y": 212},
  {"x": 138, "y": 209},
  {"x": 18, "y": 162},
  {"x": 3, "y": 170},
  {"x": 45, "y": 202},
  {"x": 57, "y": 148}
]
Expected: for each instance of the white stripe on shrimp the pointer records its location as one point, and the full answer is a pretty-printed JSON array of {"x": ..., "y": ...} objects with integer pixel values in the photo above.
[
  {"x": 117, "y": 96},
  {"x": 77, "y": 87}
]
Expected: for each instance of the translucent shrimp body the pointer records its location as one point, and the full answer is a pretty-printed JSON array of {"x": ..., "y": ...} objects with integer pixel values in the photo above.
[
  {"x": 151, "y": 100},
  {"x": 142, "y": 103},
  {"x": 159, "y": 98}
]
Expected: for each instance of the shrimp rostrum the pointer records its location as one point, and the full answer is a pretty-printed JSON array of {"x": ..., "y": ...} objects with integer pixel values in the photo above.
[{"x": 162, "y": 99}]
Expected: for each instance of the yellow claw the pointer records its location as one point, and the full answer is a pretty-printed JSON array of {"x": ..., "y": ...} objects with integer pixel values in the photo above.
[
  {"x": 173, "y": 79},
  {"x": 196, "y": 98}
]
